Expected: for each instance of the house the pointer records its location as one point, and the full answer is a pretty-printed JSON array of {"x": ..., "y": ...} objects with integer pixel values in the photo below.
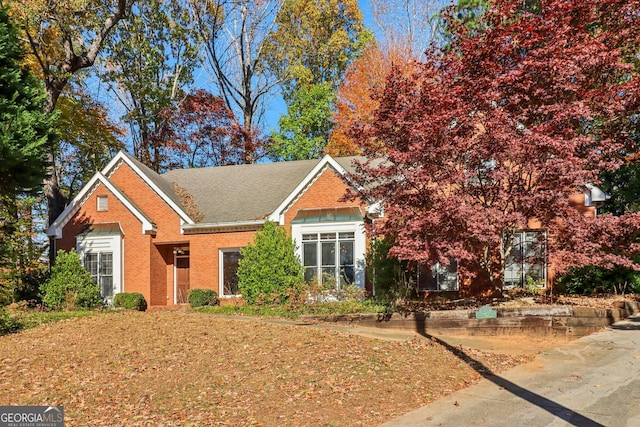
[{"x": 161, "y": 235}]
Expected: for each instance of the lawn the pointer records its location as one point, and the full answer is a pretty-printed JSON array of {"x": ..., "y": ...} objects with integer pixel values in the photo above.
[{"x": 188, "y": 368}]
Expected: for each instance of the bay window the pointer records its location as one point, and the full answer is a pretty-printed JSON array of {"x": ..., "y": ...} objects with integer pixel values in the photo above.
[
  {"x": 100, "y": 266},
  {"x": 329, "y": 256}
]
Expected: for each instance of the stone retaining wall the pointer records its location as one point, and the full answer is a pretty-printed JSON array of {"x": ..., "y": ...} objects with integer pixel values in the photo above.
[{"x": 531, "y": 320}]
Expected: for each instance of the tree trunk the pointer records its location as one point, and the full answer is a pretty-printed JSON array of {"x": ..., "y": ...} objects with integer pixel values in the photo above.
[{"x": 248, "y": 142}]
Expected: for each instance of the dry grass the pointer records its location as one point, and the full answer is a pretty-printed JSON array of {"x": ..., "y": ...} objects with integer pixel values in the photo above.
[{"x": 187, "y": 368}]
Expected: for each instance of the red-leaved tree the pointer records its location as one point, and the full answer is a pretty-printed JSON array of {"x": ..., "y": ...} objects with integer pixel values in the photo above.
[
  {"x": 498, "y": 132},
  {"x": 203, "y": 132}
]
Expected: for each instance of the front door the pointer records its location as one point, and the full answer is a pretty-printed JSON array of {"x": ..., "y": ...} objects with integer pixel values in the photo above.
[{"x": 182, "y": 279}]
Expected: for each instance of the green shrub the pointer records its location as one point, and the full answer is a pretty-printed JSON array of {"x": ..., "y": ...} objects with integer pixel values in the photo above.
[
  {"x": 7, "y": 323},
  {"x": 391, "y": 277},
  {"x": 70, "y": 286},
  {"x": 203, "y": 297},
  {"x": 130, "y": 301},
  {"x": 586, "y": 280},
  {"x": 269, "y": 268}
]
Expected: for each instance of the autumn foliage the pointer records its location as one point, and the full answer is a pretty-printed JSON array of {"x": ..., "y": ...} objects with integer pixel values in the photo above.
[
  {"x": 202, "y": 132},
  {"x": 357, "y": 98},
  {"x": 499, "y": 131}
]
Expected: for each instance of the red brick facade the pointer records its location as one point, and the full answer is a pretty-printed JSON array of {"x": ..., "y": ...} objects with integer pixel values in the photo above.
[
  {"x": 153, "y": 236},
  {"x": 148, "y": 259}
]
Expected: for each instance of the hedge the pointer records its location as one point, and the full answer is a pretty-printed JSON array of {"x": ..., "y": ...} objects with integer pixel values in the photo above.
[
  {"x": 130, "y": 301},
  {"x": 202, "y": 297}
]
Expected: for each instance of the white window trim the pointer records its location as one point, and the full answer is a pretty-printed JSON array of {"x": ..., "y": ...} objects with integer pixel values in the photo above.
[
  {"x": 99, "y": 276},
  {"x": 221, "y": 252},
  {"x": 359, "y": 246},
  {"x": 113, "y": 244},
  {"x": 102, "y": 203}
]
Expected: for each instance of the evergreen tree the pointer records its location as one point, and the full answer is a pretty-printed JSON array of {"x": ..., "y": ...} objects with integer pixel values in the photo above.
[
  {"x": 24, "y": 125},
  {"x": 25, "y": 131}
]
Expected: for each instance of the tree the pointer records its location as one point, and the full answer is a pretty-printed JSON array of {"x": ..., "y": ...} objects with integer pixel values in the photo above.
[
  {"x": 25, "y": 133},
  {"x": 150, "y": 61},
  {"x": 202, "y": 132},
  {"x": 358, "y": 96},
  {"x": 21, "y": 268},
  {"x": 269, "y": 268},
  {"x": 305, "y": 128},
  {"x": 314, "y": 42},
  {"x": 470, "y": 11},
  {"x": 64, "y": 37},
  {"x": 407, "y": 25},
  {"x": 310, "y": 50},
  {"x": 234, "y": 36},
  {"x": 26, "y": 126},
  {"x": 496, "y": 133},
  {"x": 87, "y": 139}
]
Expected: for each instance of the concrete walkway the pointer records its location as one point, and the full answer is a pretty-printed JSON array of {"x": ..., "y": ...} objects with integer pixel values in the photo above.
[{"x": 593, "y": 381}]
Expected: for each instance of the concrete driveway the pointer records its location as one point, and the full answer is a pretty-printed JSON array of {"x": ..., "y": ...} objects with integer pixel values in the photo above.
[{"x": 593, "y": 381}]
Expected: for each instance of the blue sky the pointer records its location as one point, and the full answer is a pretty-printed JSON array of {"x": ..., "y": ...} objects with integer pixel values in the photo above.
[{"x": 275, "y": 107}]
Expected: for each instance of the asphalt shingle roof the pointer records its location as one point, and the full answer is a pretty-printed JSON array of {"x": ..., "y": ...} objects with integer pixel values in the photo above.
[
  {"x": 236, "y": 193},
  {"x": 242, "y": 192}
]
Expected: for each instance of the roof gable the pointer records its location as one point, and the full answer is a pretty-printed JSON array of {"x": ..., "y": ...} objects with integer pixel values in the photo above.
[
  {"x": 55, "y": 230},
  {"x": 157, "y": 182},
  {"x": 327, "y": 162}
]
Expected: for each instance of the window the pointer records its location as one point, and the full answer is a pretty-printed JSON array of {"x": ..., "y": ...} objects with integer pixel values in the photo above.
[
  {"x": 438, "y": 278},
  {"x": 329, "y": 256},
  {"x": 526, "y": 265},
  {"x": 229, "y": 271},
  {"x": 103, "y": 203},
  {"x": 100, "y": 266}
]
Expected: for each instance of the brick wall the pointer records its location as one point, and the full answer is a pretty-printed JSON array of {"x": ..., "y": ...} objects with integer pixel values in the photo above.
[
  {"x": 204, "y": 254},
  {"x": 326, "y": 192},
  {"x": 136, "y": 245}
]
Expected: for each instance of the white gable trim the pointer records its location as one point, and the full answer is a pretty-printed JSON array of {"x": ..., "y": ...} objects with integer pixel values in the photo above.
[
  {"x": 594, "y": 196},
  {"x": 327, "y": 161},
  {"x": 55, "y": 230},
  {"x": 121, "y": 157}
]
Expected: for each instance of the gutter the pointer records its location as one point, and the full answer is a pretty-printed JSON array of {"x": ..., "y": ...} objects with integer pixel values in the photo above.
[{"x": 217, "y": 227}]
